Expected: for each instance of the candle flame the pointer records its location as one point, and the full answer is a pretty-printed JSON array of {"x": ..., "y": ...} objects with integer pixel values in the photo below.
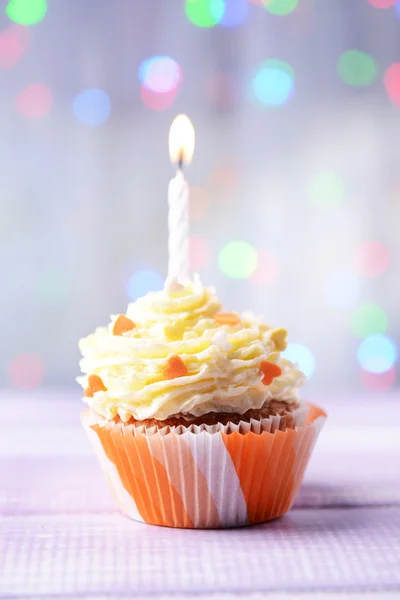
[{"x": 181, "y": 140}]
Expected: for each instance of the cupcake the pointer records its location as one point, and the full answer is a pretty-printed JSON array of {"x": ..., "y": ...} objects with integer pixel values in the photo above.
[{"x": 194, "y": 413}]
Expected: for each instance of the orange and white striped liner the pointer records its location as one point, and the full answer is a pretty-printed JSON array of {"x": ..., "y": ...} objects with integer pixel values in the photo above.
[{"x": 198, "y": 479}]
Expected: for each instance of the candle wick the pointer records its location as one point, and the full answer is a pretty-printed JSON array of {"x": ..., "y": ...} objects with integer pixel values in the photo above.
[{"x": 180, "y": 160}]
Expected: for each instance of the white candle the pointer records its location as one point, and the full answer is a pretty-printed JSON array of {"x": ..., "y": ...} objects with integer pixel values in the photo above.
[
  {"x": 178, "y": 227},
  {"x": 181, "y": 146}
]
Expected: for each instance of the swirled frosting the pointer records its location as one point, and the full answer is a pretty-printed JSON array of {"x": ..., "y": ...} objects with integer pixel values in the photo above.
[{"x": 223, "y": 358}]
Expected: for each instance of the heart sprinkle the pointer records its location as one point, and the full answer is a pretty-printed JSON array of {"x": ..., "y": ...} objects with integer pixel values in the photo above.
[
  {"x": 270, "y": 371},
  {"x": 227, "y": 319},
  {"x": 176, "y": 368},
  {"x": 95, "y": 384},
  {"x": 123, "y": 324}
]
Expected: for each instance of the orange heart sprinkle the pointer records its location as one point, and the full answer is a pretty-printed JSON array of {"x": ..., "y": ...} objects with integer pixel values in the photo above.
[
  {"x": 95, "y": 384},
  {"x": 270, "y": 372},
  {"x": 123, "y": 324},
  {"x": 227, "y": 319},
  {"x": 176, "y": 368}
]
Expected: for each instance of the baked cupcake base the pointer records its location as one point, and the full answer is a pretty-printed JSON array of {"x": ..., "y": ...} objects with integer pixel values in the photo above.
[
  {"x": 271, "y": 408},
  {"x": 204, "y": 476}
]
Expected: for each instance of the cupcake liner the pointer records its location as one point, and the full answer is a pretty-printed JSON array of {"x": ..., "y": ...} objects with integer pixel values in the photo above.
[
  {"x": 270, "y": 424},
  {"x": 206, "y": 476}
]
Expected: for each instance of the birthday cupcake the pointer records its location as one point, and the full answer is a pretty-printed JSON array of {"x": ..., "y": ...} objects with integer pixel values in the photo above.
[{"x": 194, "y": 413}]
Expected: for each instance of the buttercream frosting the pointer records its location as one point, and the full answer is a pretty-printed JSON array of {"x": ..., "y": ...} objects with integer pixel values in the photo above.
[{"x": 224, "y": 357}]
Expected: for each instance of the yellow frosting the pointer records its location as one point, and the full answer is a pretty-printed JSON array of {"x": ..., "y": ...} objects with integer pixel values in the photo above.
[{"x": 222, "y": 361}]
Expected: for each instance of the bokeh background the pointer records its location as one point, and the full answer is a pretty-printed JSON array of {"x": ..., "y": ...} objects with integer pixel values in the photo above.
[{"x": 295, "y": 182}]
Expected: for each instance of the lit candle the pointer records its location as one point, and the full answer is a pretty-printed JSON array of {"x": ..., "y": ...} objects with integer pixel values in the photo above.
[{"x": 181, "y": 146}]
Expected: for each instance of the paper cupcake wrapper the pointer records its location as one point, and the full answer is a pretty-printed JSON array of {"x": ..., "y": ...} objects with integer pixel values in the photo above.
[{"x": 199, "y": 477}]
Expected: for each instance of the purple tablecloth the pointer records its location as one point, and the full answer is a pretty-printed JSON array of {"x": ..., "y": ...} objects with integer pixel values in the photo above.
[{"x": 61, "y": 535}]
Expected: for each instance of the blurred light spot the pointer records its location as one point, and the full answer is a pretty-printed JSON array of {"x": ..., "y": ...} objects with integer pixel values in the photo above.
[
  {"x": 267, "y": 268},
  {"x": 161, "y": 77},
  {"x": 372, "y": 259},
  {"x": 235, "y": 13},
  {"x": 142, "y": 282},
  {"x": 160, "y": 74},
  {"x": 392, "y": 83},
  {"x": 199, "y": 202},
  {"x": 357, "y": 68},
  {"x": 377, "y": 354},
  {"x": 221, "y": 90},
  {"x": 378, "y": 382},
  {"x": 26, "y": 371},
  {"x": 280, "y": 7},
  {"x": 205, "y": 13},
  {"x": 326, "y": 190},
  {"x": 13, "y": 43},
  {"x": 34, "y": 101},
  {"x": 26, "y": 12},
  {"x": 273, "y": 83},
  {"x": 238, "y": 260},
  {"x": 157, "y": 101},
  {"x": 92, "y": 107},
  {"x": 52, "y": 287},
  {"x": 199, "y": 252},
  {"x": 382, "y": 3},
  {"x": 341, "y": 290},
  {"x": 368, "y": 319},
  {"x": 297, "y": 353}
]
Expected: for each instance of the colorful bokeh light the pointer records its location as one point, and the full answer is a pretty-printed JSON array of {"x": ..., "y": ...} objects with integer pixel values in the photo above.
[
  {"x": 235, "y": 13},
  {"x": 378, "y": 382},
  {"x": 26, "y": 371},
  {"x": 392, "y": 84},
  {"x": 297, "y": 353},
  {"x": 357, "y": 68},
  {"x": 238, "y": 260},
  {"x": 13, "y": 44},
  {"x": 157, "y": 101},
  {"x": 372, "y": 259},
  {"x": 199, "y": 252},
  {"x": 142, "y": 282},
  {"x": 368, "y": 319},
  {"x": 382, "y": 3},
  {"x": 160, "y": 74},
  {"x": 161, "y": 77},
  {"x": 267, "y": 268},
  {"x": 377, "y": 354},
  {"x": 205, "y": 13},
  {"x": 92, "y": 107},
  {"x": 34, "y": 101},
  {"x": 26, "y": 12},
  {"x": 280, "y": 7},
  {"x": 273, "y": 83},
  {"x": 326, "y": 190},
  {"x": 341, "y": 290}
]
